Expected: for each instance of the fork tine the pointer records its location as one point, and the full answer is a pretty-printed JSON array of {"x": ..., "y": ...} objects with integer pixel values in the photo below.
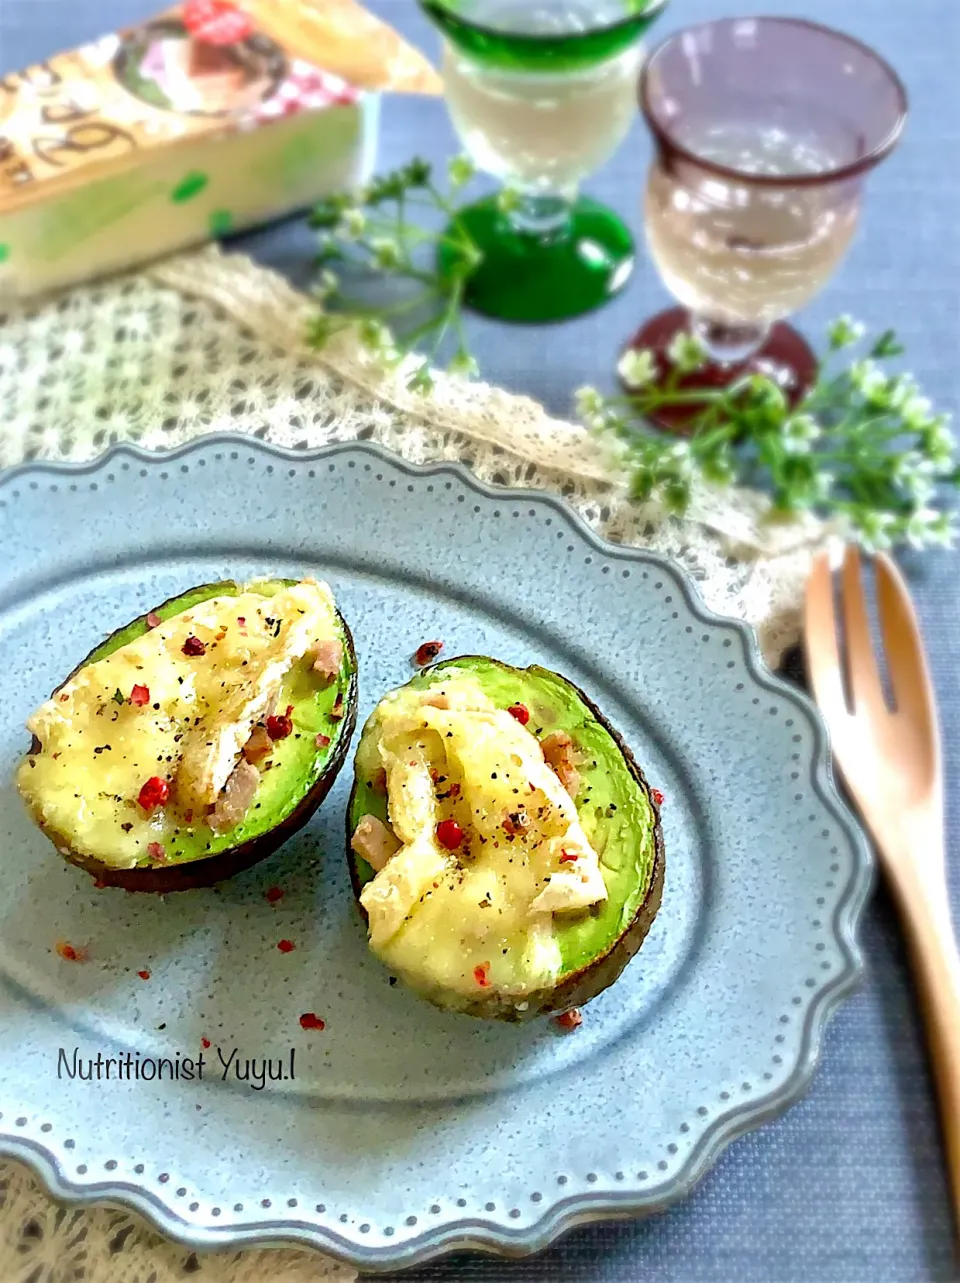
[
  {"x": 820, "y": 640},
  {"x": 906, "y": 660},
  {"x": 862, "y": 670}
]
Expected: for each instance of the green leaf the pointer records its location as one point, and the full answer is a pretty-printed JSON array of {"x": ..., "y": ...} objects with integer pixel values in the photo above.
[
  {"x": 641, "y": 484},
  {"x": 418, "y": 172},
  {"x": 325, "y": 215},
  {"x": 887, "y": 346},
  {"x": 118, "y": 696}
]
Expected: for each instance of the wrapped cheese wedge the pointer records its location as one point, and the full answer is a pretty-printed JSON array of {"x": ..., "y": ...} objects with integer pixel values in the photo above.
[{"x": 213, "y": 117}]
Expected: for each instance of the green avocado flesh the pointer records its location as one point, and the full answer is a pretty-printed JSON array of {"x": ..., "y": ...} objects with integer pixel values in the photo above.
[
  {"x": 616, "y": 812},
  {"x": 298, "y": 767}
]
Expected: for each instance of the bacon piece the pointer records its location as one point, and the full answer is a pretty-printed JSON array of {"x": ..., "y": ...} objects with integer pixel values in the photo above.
[
  {"x": 327, "y": 658},
  {"x": 234, "y": 802},
  {"x": 258, "y": 746},
  {"x": 559, "y": 755},
  {"x": 374, "y": 842}
]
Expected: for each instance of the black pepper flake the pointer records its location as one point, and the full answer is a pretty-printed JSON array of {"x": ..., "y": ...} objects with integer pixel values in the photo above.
[
  {"x": 392, "y": 981},
  {"x": 126, "y": 827}
]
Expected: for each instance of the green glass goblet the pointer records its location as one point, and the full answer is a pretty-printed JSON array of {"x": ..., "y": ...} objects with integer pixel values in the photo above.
[{"x": 542, "y": 92}]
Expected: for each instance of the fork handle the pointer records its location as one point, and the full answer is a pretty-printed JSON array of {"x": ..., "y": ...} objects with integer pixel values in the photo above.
[{"x": 925, "y": 909}]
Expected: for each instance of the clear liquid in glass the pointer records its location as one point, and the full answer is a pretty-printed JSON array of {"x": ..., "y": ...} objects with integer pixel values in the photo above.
[
  {"x": 542, "y": 132},
  {"x": 742, "y": 253}
]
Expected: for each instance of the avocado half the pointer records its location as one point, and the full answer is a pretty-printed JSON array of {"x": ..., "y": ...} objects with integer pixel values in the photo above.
[
  {"x": 616, "y": 807},
  {"x": 311, "y": 775}
]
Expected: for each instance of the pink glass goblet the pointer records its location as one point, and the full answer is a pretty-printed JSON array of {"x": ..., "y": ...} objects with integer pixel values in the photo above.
[{"x": 764, "y": 129}]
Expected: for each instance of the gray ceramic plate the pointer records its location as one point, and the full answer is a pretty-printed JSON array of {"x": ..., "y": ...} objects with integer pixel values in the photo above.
[{"x": 406, "y": 1131}]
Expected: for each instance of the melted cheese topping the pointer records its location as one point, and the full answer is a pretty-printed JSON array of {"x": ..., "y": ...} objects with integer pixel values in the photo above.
[
  {"x": 98, "y": 749},
  {"x": 445, "y": 918}
]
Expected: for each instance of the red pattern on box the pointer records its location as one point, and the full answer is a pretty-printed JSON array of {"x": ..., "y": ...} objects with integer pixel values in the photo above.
[{"x": 306, "y": 88}]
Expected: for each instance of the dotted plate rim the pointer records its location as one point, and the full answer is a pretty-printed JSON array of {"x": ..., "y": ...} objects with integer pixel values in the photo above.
[{"x": 560, "y": 1214}]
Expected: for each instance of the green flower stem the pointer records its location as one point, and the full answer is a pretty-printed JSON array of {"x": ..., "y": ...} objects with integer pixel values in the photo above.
[{"x": 375, "y": 310}]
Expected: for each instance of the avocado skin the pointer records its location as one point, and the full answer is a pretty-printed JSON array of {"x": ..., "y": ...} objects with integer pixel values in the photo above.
[
  {"x": 162, "y": 879},
  {"x": 591, "y": 980}
]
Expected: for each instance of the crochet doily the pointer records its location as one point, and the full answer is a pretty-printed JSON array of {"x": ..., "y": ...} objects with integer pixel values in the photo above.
[{"x": 207, "y": 341}]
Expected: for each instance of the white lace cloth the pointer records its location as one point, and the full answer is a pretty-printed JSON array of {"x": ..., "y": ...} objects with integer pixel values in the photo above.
[{"x": 208, "y": 341}]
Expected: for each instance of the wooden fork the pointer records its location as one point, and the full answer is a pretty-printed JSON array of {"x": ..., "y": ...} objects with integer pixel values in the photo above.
[{"x": 890, "y": 759}]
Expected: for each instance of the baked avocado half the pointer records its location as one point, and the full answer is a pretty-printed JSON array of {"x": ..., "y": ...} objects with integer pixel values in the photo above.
[
  {"x": 196, "y": 739},
  {"x": 504, "y": 845}
]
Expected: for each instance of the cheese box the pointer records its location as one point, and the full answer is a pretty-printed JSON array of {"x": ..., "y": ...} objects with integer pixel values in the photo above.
[{"x": 210, "y": 118}]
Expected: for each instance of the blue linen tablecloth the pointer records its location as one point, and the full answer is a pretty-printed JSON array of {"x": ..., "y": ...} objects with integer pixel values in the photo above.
[{"x": 849, "y": 1186}]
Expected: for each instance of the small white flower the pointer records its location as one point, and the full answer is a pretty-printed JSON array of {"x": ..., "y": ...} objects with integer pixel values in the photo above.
[
  {"x": 464, "y": 364},
  {"x": 875, "y": 529},
  {"x": 326, "y": 284},
  {"x": 845, "y": 331},
  {"x": 386, "y": 252},
  {"x": 914, "y": 472},
  {"x": 799, "y": 433},
  {"x": 869, "y": 380},
  {"x": 901, "y": 390},
  {"x": 927, "y": 525},
  {"x": 637, "y": 368},
  {"x": 943, "y": 529},
  {"x": 378, "y": 340},
  {"x": 588, "y": 402},
  {"x": 615, "y": 450},
  {"x": 912, "y": 463},
  {"x": 917, "y": 412},
  {"x": 460, "y": 169},
  {"x": 352, "y": 225},
  {"x": 937, "y": 442},
  {"x": 678, "y": 458},
  {"x": 686, "y": 352}
]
